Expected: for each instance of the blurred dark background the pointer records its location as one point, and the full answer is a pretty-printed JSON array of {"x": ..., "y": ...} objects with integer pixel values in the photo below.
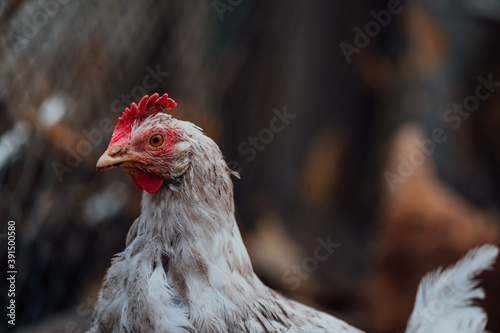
[{"x": 388, "y": 143}]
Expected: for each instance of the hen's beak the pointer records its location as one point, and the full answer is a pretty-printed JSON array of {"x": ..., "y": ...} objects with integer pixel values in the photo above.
[{"x": 109, "y": 161}]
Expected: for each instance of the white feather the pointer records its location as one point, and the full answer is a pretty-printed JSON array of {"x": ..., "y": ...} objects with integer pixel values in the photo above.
[{"x": 444, "y": 300}]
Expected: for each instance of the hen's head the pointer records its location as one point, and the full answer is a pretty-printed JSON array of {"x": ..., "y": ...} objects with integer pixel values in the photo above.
[{"x": 149, "y": 145}]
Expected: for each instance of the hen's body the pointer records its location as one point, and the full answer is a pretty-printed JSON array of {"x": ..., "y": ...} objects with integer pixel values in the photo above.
[{"x": 185, "y": 268}]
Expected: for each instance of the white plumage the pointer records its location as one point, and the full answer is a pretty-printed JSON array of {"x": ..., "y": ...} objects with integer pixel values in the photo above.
[{"x": 444, "y": 297}]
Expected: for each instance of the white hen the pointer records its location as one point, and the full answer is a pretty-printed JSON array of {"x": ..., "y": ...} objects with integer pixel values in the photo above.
[{"x": 185, "y": 267}]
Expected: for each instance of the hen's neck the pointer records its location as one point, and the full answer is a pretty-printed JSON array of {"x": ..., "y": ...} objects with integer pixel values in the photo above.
[{"x": 194, "y": 223}]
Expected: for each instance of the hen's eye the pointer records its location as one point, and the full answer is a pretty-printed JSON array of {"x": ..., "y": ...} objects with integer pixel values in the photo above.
[{"x": 156, "y": 140}]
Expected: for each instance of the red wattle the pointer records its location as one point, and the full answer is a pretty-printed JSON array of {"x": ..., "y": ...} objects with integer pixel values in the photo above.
[{"x": 150, "y": 182}]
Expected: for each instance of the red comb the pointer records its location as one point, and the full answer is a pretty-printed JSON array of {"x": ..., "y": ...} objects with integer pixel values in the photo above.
[{"x": 148, "y": 106}]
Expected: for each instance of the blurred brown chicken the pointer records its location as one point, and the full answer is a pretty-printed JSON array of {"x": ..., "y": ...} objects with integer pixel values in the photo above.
[{"x": 422, "y": 225}]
